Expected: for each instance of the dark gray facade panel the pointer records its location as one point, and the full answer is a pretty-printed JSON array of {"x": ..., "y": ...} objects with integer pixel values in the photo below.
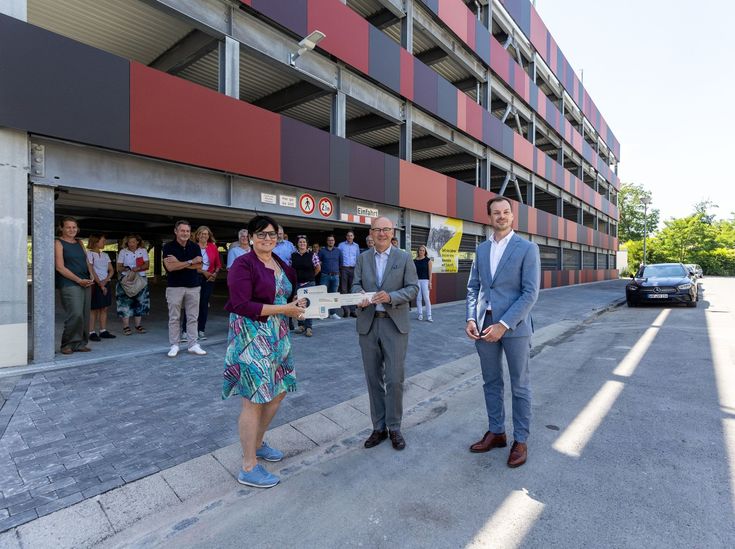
[
  {"x": 392, "y": 180},
  {"x": 339, "y": 165},
  {"x": 385, "y": 59},
  {"x": 55, "y": 86},
  {"x": 465, "y": 200}
]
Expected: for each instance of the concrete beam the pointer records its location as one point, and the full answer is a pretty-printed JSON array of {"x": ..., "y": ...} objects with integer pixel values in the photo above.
[
  {"x": 418, "y": 144},
  {"x": 448, "y": 134},
  {"x": 432, "y": 56},
  {"x": 291, "y": 96},
  {"x": 444, "y": 162},
  {"x": 395, "y": 6},
  {"x": 367, "y": 123},
  {"x": 454, "y": 48},
  {"x": 186, "y": 51},
  {"x": 383, "y": 19}
]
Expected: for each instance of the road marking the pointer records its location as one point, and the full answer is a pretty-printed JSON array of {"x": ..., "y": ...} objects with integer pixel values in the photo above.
[{"x": 510, "y": 523}]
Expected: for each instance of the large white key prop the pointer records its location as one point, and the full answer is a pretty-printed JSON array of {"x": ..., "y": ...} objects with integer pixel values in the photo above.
[{"x": 318, "y": 301}]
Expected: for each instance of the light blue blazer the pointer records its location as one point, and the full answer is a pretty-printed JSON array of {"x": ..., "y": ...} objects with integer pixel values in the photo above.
[{"x": 513, "y": 290}]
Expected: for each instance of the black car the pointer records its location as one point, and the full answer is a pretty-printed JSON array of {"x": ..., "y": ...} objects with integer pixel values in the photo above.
[{"x": 662, "y": 282}]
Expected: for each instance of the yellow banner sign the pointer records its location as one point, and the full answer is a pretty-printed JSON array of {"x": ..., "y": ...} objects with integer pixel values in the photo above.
[{"x": 443, "y": 243}]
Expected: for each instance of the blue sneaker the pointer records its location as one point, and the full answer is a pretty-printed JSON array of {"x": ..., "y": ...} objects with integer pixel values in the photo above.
[
  {"x": 258, "y": 477},
  {"x": 269, "y": 454}
]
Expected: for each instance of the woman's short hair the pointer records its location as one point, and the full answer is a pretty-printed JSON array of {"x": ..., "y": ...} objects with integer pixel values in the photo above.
[
  {"x": 64, "y": 220},
  {"x": 136, "y": 237},
  {"x": 94, "y": 239},
  {"x": 302, "y": 237},
  {"x": 199, "y": 231},
  {"x": 241, "y": 233},
  {"x": 260, "y": 222}
]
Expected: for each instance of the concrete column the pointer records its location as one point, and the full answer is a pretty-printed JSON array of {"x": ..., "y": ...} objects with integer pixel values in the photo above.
[
  {"x": 13, "y": 247},
  {"x": 338, "y": 115},
  {"x": 483, "y": 172},
  {"x": 532, "y": 129},
  {"x": 405, "y": 142},
  {"x": 229, "y": 67},
  {"x": 531, "y": 194},
  {"x": 483, "y": 95},
  {"x": 407, "y": 28},
  {"x": 44, "y": 298},
  {"x": 15, "y": 8}
]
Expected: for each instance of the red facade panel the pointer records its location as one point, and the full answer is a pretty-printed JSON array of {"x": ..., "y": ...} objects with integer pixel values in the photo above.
[
  {"x": 422, "y": 189},
  {"x": 347, "y": 32},
  {"x": 177, "y": 120}
]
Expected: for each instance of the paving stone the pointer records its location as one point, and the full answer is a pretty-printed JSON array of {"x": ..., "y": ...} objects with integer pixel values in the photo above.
[
  {"x": 198, "y": 476},
  {"x": 15, "y": 520},
  {"x": 318, "y": 428},
  {"x": 60, "y": 503},
  {"x": 132, "y": 502},
  {"x": 90, "y": 526},
  {"x": 348, "y": 417},
  {"x": 140, "y": 473},
  {"x": 103, "y": 487}
]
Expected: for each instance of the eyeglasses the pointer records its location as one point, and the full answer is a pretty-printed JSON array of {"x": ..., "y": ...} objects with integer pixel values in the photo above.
[
  {"x": 384, "y": 230},
  {"x": 262, "y": 235}
]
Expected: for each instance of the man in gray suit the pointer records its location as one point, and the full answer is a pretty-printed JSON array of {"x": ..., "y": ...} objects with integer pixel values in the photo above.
[
  {"x": 502, "y": 288},
  {"x": 383, "y": 327}
]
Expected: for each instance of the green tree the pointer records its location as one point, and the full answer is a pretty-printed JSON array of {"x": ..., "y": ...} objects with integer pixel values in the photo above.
[
  {"x": 684, "y": 239},
  {"x": 632, "y": 212}
]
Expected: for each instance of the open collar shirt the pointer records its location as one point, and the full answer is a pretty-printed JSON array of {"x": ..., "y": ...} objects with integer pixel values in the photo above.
[
  {"x": 381, "y": 260},
  {"x": 497, "y": 249},
  {"x": 349, "y": 253}
]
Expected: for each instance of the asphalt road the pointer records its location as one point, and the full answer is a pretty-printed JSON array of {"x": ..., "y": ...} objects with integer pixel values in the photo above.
[{"x": 632, "y": 444}]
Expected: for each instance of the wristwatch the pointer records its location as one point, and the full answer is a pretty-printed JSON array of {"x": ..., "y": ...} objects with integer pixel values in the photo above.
[{"x": 189, "y": 261}]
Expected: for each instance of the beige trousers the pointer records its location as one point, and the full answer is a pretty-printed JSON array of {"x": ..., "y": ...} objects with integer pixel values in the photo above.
[{"x": 189, "y": 298}]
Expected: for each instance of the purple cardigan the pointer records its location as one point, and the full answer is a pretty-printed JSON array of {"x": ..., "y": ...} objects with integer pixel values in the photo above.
[{"x": 253, "y": 285}]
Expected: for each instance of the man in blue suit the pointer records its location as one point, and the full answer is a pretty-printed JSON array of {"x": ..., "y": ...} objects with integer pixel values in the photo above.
[{"x": 502, "y": 288}]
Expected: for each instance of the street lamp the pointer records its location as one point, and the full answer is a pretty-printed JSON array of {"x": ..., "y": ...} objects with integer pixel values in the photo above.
[
  {"x": 646, "y": 201},
  {"x": 307, "y": 44}
]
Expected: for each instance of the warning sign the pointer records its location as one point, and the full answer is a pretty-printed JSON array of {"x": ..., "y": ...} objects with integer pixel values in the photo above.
[
  {"x": 325, "y": 207},
  {"x": 307, "y": 204}
]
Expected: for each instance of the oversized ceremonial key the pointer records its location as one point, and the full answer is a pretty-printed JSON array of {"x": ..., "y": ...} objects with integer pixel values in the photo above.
[{"x": 318, "y": 301}]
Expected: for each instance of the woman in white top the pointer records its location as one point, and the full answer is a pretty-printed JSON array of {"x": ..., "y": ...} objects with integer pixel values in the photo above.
[
  {"x": 241, "y": 247},
  {"x": 101, "y": 292},
  {"x": 133, "y": 257}
]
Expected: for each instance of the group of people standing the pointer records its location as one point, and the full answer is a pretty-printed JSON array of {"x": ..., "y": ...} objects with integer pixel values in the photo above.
[{"x": 259, "y": 366}]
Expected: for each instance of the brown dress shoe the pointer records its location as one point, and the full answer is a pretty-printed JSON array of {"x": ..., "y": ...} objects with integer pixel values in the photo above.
[
  {"x": 375, "y": 438},
  {"x": 397, "y": 440},
  {"x": 518, "y": 454},
  {"x": 488, "y": 442},
  {"x": 82, "y": 350}
]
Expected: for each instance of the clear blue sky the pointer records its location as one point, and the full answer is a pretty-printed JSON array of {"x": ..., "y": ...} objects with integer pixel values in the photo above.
[{"x": 661, "y": 73}]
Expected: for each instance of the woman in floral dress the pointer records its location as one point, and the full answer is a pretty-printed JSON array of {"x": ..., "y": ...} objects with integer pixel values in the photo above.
[{"x": 258, "y": 362}]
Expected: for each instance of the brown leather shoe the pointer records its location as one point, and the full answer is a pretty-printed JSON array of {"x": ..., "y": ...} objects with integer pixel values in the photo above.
[
  {"x": 82, "y": 350},
  {"x": 518, "y": 454},
  {"x": 488, "y": 442},
  {"x": 397, "y": 440},
  {"x": 66, "y": 351},
  {"x": 375, "y": 438}
]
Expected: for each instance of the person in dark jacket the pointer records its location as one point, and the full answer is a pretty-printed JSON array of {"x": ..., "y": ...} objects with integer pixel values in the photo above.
[{"x": 307, "y": 266}]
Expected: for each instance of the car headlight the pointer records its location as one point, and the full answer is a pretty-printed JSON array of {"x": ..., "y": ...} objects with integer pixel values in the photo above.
[{"x": 684, "y": 287}]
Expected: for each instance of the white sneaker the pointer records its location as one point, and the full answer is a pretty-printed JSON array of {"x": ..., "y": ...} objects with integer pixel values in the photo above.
[
  {"x": 197, "y": 350},
  {"x": 421, "y": 317},
  {"x": 335, "y": 316},
  {"x": 430, "y": 319},
  {"x": 202, "y": 336},
  {"x": 173, "y": 351}
]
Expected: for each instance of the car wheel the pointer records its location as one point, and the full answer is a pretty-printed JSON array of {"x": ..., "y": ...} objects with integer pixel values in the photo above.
[
  {"x": 692, "y": 304},
  {"x": 630, "y": 303}
]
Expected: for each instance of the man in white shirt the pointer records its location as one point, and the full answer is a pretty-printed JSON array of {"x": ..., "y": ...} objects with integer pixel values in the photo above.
[{"x": 502, "y": 288}]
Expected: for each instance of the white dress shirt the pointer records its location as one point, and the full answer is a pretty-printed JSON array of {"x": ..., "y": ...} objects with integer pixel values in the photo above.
[
  {"x": 497, "y": 248},
  {"x": 381, "y": 260}
]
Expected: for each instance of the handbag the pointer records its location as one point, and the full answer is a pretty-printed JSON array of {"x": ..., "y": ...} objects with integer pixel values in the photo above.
[{"x": 132, "y": 284}]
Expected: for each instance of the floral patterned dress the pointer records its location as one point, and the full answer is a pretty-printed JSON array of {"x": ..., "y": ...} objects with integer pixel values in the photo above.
[{"x": 258, "y": 361}]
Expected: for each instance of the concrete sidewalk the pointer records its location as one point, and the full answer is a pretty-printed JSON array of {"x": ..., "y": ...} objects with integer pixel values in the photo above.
[{"x": 138, "y": 426}]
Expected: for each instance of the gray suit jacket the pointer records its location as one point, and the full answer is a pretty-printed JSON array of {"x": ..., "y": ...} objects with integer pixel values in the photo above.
[
  {"x": 399, "y": 280},
  {"x": 513, "y": 290}
]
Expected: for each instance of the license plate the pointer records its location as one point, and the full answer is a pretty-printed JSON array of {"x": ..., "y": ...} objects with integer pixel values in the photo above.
[{"x": 658, "y": 296}]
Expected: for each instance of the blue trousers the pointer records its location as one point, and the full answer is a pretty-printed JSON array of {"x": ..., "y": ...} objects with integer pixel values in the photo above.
[
  {"x": 517, "y": 353},
  {"x": 332, "y": 284}
]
